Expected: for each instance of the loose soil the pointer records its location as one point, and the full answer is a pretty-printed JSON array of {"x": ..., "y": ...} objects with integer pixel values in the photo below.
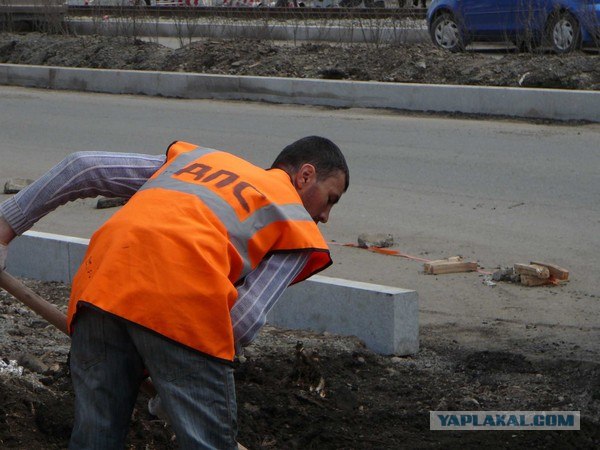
[
  {"x": 328, "y": 392},
  {"x": 421, "y": 63}
]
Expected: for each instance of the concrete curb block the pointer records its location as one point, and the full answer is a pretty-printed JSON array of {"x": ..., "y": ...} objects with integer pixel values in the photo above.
[
  {"x": 329, "y": 33},
  {"x": 385, "y": 318},
  {"x": 516, "y": 102},
  {"x": 46, "y": 256}
]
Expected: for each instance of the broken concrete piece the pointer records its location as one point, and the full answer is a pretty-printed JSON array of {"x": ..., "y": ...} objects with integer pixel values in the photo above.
[
  {"x": 506, "y": 274},
  {"x": 32, "y": 363},
  {"x": 454, "y": 264},
  {"x": 557, "y": 272},
  {"x": 380, "y": 240},
  {"x": 104, "y": 202},
  {"x": 10, "y": 367},
  {"x": 14, "y": 185},
  {"x": 532, "y": 270}
]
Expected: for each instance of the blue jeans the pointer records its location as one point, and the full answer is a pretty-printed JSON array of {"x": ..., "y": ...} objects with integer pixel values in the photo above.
[{"x": 108, "y": 357}]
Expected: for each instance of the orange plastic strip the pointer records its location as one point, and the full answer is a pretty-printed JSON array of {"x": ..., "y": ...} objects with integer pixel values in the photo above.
[{"x": 390, "y": 252}]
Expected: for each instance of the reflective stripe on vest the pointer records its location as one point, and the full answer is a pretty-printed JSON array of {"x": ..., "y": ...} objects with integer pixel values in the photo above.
[{"x": 240, "y": 230}]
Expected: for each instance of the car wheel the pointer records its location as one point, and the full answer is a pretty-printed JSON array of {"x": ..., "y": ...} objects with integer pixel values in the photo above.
[
  {"x": 563, "y": 33},
  {"x": 446, "y": 33}
]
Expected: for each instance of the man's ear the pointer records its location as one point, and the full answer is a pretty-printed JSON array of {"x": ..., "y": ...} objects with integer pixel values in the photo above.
[{"x": 306, "y": 175}]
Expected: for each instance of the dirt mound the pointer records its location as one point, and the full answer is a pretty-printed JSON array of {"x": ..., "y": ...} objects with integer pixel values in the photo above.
[
  {"x": 300, "y": 390},
  {"x": 422, "y": 63}
]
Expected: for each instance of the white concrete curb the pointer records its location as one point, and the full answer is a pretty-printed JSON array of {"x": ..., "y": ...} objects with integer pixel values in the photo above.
[
  {"x": 515, "y": 102},
  {"x": 385, "y": 318},
  {"x": 413, "y": 31}
]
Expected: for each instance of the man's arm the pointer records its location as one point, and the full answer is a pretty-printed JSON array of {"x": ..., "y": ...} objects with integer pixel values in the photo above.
[
  {"x": 79, "y": 175},
  {"x": 260, "y": 291}
]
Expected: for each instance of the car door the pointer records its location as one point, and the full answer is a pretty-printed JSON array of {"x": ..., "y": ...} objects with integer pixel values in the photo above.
[
  {"x": 531, "y": 15},
  {"x": 489, "y": 18}
]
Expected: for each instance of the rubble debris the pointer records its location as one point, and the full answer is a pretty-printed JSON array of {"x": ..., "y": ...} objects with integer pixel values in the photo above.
[
  {"x": 487, "y": 280},
  {"x": 104, "y": 202},
  {"x": 14, "y": 185},
  {"x": 307, "y": 371},
  {"x": 33, "y": 363},
  {"x": 539, "y": 274},
  {"x": 532, "y": 274},
  {"x": 506, "y": 274},
  {"x": 454, "y": 264},
  {"x": 379, "y": 240},
  {"x": 10, "y": 367}
]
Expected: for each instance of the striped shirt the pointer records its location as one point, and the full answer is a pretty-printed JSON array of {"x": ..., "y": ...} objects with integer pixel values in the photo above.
[{"x": 89, "y": 174}]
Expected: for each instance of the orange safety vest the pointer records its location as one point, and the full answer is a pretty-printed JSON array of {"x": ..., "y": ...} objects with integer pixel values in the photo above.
[{"x": 170, "y": 259}]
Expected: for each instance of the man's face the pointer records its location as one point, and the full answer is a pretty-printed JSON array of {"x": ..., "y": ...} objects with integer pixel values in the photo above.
[{"x": 319, "y": 196}]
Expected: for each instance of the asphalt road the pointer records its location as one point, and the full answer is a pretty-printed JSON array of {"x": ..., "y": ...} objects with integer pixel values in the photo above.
[{"x": 498, "y": 192}]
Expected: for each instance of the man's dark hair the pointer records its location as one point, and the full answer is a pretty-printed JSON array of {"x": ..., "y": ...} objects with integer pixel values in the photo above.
[{"x": 318, "y": 151}]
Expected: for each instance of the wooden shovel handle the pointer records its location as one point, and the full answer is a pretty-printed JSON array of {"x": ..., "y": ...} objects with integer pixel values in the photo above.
[
  {"x": 46, "y": 310},
  {"x": 30, "y": 299}
]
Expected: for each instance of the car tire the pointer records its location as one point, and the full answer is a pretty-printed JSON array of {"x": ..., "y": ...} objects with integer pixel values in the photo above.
[
  {"x": 446, "y": 33},
  {"x": 563, "y": 33}
]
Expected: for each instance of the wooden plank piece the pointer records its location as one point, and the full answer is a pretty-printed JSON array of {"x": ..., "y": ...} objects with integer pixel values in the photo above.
[
  {"x": 557, "y": 272},
  {"x": 454, "y": 264},
  {"x": 530, "y": 280},
  {"x": 532, "y": 270},
  {"x": 440, "y": 261}
]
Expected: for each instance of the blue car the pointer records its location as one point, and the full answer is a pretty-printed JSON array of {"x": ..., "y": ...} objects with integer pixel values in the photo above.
[{"x": 563, "y": 25}]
